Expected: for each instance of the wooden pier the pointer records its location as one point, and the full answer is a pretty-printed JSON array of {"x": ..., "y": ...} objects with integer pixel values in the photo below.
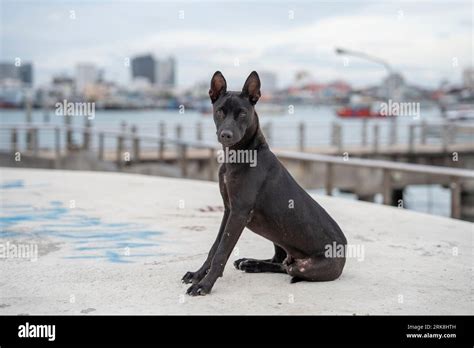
[{"x": 336, "y": 165}]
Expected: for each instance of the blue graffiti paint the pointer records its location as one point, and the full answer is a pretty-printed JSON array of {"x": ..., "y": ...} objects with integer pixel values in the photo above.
[
  {"x": 111, "y": 256},
  {"x": 91, "y": 234},
  {"x": 121, "y": 246},
  {"x": 12, "y": 184}
]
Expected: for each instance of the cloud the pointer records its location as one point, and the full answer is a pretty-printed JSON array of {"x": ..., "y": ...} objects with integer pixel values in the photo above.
[{"x": 419, "y": 39}]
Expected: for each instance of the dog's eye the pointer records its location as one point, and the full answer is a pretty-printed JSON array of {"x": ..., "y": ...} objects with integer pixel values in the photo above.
[
  {"x": 220, "y": 113},
  {"x": 243, "y": 114}
]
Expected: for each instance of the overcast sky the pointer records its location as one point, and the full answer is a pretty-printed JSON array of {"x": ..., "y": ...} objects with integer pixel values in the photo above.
[{"x": 426, "y": 41}]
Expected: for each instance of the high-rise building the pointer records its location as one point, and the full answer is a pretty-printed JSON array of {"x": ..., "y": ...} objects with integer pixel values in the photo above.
[
  {"x": 159, "y": 72},
  {"x": 144, "y": 66},
  {"x": 87, "y": 75},
  {"x": 468, "y": 78},
  {"x": 8, "y": 71},
  {"x": 22, "y": 73},
  {"x": 166, "y": 72},
  {"x": 25, "y": 72}
]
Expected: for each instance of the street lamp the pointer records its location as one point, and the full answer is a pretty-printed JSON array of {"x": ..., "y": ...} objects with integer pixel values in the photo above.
[{"x": 343, "y": 51}]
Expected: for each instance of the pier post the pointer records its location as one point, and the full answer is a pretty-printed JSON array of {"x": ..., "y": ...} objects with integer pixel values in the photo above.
[
  {"x": 101, "y": 146},
  {"x": 336, "y": 136},
  {"x": 301, "y": 137},
  {"x": 393, "y": 131},
  {"x": 46, "y": 117},
  {"x": 364, "y": 132},
  {"x": 67, "y": 124},
  {"x": 14, "y": 140},
  {"x": 333, "y": 134},
  {"x": 120, "y": 150},
  {"x": 339, "y": 138},
  {"x": 35, "y": 141},
  {"x": 467, "y": 202},
  {"x": 57, "y": 146},
  {"x": 179, "y": 131},
  {"x": 387, "y": 187},
  {"x": 411, "y": 137},
  {"x": 375, "y": 144},
  {"x": 29, "y": 120},
  {"x": 455, "y": 188},
  {"x": 199, "y": 131},
  {"x": 183, "y": 162},
  {"x": 446, "y": 136},
  {"x": 452, "y": 130},
  {"x": 86, "y": 135},
  {"x": 212, "y": 164},
  {"x": 161, "y": 146},
  {"x": 329, "y": 178},
  {"x": 29, "y": 144},
  {"x": 136, "y": 144},
  {"x": 424, "y": 132}
]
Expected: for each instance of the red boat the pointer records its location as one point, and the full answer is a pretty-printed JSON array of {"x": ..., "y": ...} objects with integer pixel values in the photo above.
[{"x": 357, "y": 112}]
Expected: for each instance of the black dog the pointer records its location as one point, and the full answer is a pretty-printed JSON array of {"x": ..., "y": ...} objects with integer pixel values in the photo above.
[{"x": 266, "y": 199}]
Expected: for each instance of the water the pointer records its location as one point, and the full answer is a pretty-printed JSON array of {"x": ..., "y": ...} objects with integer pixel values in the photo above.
[
  {"x": 284, "y": 133},
  {"x": 284, "y": 126}
]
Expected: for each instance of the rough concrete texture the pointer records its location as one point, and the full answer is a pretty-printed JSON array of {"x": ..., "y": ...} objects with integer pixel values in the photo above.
[{"x": 113, "y": 243}]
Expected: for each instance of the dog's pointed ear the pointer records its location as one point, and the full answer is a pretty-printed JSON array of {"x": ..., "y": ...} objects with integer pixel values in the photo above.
[
  {"x": 218, "y": 86},
  {"x": 251, "y": 87}
]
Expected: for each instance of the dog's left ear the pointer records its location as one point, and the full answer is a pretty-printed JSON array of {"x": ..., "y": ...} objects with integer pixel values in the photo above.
[{"x": 251, "y": 87}]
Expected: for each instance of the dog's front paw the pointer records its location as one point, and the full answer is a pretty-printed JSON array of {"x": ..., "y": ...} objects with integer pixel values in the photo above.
[
  {"x": 199, "y": 289},
  {"x": 191, "y": 277}
]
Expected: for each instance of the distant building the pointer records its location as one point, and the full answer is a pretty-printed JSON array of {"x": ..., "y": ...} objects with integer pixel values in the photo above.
[
  {"x": 144, "y": 66},
  {"x": 166, "y": 72},
  {"x": 25, "y": 72},
  {"x": 158, "y": 72},
  {"x": 468, "y": 78},
  {"x": 22, "y": 73},
  {"x": 268, "y": 80},
  {"x": 393, "y": 86},
  {"x": 62, "y": 87},
  {"x": 86, "y": 75},
  {"x": 8, "y": 71}
]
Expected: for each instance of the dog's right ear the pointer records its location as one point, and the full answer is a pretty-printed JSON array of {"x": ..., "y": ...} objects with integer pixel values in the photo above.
[{"x": 218, "y": 86}]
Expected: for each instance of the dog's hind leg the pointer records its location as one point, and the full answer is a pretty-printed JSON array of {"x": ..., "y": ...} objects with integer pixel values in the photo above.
[
  {"x": 273, "y": 265},
  {"x": 316, "y": 268}
]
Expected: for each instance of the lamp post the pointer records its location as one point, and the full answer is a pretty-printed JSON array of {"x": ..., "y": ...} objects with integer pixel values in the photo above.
[
  {"x": 343, "y": 51},
  {"x": 390, "y": 71}
]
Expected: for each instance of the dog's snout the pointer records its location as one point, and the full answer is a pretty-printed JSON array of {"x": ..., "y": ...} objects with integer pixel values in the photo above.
[{"x": 226, "y": 135}]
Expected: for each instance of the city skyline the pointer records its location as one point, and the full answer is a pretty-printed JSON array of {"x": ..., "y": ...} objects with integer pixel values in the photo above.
[{"x": 272, "y": 37}]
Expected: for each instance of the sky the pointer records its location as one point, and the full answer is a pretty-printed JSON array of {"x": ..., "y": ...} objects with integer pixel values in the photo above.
[{"x": 426, "y": 41}]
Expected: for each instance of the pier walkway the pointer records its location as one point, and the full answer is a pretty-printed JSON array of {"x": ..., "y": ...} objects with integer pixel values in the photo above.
[{"x": 114, "y": 243}]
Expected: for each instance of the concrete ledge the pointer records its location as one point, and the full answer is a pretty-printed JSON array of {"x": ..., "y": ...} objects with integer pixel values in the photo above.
[{"x": 113, "y": 243}]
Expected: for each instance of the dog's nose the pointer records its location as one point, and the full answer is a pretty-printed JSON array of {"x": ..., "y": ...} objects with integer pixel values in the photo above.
[{"x": 226, "y": 135}]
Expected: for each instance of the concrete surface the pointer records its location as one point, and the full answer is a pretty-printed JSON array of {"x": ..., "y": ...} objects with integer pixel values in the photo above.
[{"x": 112, "y": 243}]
